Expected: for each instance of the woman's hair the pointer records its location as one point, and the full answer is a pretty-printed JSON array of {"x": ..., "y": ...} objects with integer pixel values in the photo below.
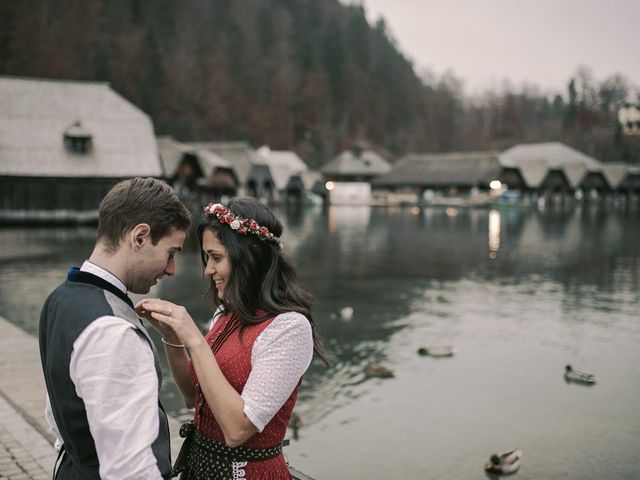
[{"x": 261, "y": 277}]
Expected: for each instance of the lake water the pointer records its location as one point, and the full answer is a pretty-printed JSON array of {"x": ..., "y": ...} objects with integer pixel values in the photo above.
[{"x": 518, "y": 293}]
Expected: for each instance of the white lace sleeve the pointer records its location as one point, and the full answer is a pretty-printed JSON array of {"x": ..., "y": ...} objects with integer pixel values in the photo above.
[{"x": 280, "y": 355}]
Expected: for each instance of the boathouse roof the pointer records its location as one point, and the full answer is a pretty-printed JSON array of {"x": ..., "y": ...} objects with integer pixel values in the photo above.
[
  {"x": 616, "y": 173},
  {"x": 282, "y": 164},
  {"x": 60, "y": 128},
  {"x": 356, "y": 162},
  {"x": 239, "y": 154},
  {"x": 433, "y": 170},
  {"x": 535, "y": 160},
  {"x": 171, "y": 153}
]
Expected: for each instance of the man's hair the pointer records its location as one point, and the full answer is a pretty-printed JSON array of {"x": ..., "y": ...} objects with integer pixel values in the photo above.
[{"x": 140, "y": 200}]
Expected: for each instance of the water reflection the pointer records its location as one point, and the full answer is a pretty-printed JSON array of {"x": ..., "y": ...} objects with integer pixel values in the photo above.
[
  {"x": 348, "y": 219},
  {"x": 494, "y": 233}
]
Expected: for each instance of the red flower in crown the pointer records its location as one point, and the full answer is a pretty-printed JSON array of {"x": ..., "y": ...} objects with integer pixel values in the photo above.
[{"x": 240, "y": 224}]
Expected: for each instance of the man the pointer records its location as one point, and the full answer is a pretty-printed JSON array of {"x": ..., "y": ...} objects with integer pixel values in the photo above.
[{"x": 100, "y": 366}]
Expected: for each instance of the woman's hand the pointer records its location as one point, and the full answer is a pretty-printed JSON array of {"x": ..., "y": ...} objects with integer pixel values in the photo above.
[
  {"x": 153, "y": 310},
  {"x": 172, "y": 321},
  {"x": 165, "y": 331}
]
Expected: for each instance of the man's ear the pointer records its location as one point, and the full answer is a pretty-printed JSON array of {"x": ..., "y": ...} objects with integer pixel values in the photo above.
[{"x": 139, "y": 236}]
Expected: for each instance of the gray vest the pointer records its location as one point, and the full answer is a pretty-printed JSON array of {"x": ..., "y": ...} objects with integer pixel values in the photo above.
[{"x": 66, "y": 313}]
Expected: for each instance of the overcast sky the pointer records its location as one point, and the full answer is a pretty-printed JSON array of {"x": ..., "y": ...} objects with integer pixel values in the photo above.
[{"x": 539, "y": 42}]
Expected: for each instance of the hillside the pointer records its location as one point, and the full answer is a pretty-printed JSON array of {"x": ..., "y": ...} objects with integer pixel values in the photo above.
[{"x": 307, "y": 75}]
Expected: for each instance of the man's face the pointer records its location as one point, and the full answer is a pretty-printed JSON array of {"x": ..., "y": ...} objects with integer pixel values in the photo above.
[{"x": 156, "y": 261}]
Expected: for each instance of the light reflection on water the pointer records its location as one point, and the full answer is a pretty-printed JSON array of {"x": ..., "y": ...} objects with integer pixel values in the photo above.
[{"x": 519, "y": 293}]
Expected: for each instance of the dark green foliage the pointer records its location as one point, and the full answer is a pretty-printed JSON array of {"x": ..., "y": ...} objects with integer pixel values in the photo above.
[
  {"x": 571, "y": 111},
  {"x": 6, "y": 27},
  {"x": 266, "y": 28},
  {"x": 358, "y": 34},
  {"x": 101, "y": 67}
]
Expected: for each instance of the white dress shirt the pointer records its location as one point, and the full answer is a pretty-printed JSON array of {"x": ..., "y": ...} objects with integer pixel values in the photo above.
[{"x": 113, "y": 370}]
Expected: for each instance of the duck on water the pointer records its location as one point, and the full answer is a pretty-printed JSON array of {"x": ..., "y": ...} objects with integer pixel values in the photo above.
[
  {"x": 578, "y": 376},
  {"x": 504, "y": 464}
]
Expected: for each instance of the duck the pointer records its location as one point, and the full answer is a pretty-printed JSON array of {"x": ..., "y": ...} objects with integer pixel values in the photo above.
[
  {"x": 346, "y": 313},
  {"x": 378, "y": 371},
  {"x": 437, "y": 351},
  {"x": 578, "y": 376},
  {"x": 504, "y": 464}
]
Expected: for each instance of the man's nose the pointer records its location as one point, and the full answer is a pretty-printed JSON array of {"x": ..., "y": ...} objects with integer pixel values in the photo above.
[{"x": 170, "y": 268}]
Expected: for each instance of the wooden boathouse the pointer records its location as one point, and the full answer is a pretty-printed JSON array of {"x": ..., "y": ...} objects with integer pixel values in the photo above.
[{"x": 63, "y": 144}]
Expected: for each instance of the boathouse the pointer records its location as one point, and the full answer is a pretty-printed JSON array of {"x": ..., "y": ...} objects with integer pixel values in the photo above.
[
  {"x": 549, "y": 166},
  {"x": 286, "y": 169},
  {"x": 553, "y": 169},
  {"x": 64, "y": 144},
  {"x": 253, "y": 175},
  {"x": 629, "y": 182},
  {"x": 348, "y": 175},
  {"x": 419, "y": 176},
  {"x": 356, "y": 165},
  {"x": 197, "y": 172}
]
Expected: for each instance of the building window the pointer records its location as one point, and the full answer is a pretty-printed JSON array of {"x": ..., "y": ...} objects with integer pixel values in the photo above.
[
  {"x": 78, "y": 145},
  {"x": 77, "y": 139}
]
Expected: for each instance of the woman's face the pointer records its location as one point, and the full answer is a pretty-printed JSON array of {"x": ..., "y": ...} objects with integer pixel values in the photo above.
[{"x": 218, "y": 266}]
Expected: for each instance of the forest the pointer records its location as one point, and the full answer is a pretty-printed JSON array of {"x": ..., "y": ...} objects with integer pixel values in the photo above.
[{"x": 312, "y": 76}]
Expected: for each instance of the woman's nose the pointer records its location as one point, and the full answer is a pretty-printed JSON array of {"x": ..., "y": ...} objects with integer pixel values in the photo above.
[{"x": 209, "y": 269}]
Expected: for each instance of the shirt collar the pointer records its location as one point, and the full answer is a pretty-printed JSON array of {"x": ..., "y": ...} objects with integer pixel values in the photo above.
[{"x": 103, "y": 273}]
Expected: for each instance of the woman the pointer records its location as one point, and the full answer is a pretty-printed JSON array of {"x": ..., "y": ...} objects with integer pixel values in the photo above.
[{"x": 243, "y": 376}]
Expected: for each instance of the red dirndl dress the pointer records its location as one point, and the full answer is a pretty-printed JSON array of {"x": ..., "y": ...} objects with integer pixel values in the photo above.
[{"x": 232, "y": 348}]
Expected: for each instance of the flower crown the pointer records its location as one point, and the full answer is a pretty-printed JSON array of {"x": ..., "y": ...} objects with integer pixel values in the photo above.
[{"x": 240, "y": 224}]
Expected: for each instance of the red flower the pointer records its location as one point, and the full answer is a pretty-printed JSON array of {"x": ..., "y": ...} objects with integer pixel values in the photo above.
[
  {"x": 264, "y": 230},
  {"x": 253, "y": 225},
  {"x": 243, "y": 230},
  {"x": 228, "y": 218}
]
